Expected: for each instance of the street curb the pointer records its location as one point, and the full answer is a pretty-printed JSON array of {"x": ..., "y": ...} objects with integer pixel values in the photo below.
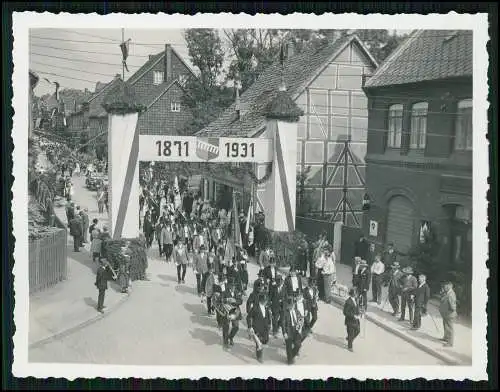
[
  {"x": 443, "y": 357},
  {"x": 75, "y": 328}
]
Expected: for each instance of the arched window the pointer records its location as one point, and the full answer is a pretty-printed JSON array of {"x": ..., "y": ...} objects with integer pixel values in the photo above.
[
  {"x": 394, "y": 125},
  {"x": 463, "y": 125},
  {"x": 418, "y": 131}
]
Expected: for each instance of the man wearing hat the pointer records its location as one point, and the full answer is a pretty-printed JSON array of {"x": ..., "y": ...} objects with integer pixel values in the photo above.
[
  {"x": 200, "y": 269},
  {"x": 292, "y": 330},
  {"x": 209, "y": 288},
  {"x": 363, "y": 283},
  {"x": 389, "y": 255},
  {"x": 377, "y": 272},
  {"x": 258, "y": 288},
  {"x": 75, "y": 230},
  {"x": 351, "y": 314},
  {"x": 234, "y": 274},
  {"x": 408, "y": 287},
  {"x": 230, "y": 327},
  {"x": 448, "y": 311},
  {"x": 271, "y": 272},
  {"x": 259, "y": 323},
  {"x": 422, "y": 296},
  {"x": 219, "y": 288},
  {"x": 395, "y": 276},
  {"x": 276, "y": 297},
  {"x": 104, "y": 273},
  {"x": 311, "y": 297}
]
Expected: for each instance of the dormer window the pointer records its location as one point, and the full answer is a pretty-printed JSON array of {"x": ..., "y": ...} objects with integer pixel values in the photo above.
[
  {"x": 158, "y": 77},
  {"x": 175, "y": 107}
]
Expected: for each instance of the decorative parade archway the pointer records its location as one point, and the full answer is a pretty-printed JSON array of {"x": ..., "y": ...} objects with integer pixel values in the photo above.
[{"x": 126, "y": 148}]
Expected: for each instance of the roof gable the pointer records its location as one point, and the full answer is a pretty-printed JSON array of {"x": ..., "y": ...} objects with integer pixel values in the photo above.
[
  {"x": 427, "y": 55},
  {"x": 298, "y": 71}
]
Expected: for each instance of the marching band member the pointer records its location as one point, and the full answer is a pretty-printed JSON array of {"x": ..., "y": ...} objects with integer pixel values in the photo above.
[
  {"x": 264, "y": 257},
  {"x": 277, "y": 297},
  {"x": 293, "y": 283},
  {"x": 311, "y": 297},
  {"x": 291, "y": 327},
  {"x": 259, "y": 322},
  {"x": 301, "y": 309},
  {"x": 271, "y": 272},
  {"x": 200, "y": 269},
  {"x": 231, "y": 298},
  {"x": 181, "y": 260},
  {"x": 234, "y": 274},
  {"x": 186, "y": 235},
  {"x": 219, "y": 289},
  {"x": 258, "y": 288},
  {"x": 210, "y": 282}
]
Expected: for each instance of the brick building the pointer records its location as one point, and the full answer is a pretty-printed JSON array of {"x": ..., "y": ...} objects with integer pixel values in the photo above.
[
  {"x": 326, "y": 83},
  {"x": 419, "y": 159},
  {"x": 158, "y": 85}
]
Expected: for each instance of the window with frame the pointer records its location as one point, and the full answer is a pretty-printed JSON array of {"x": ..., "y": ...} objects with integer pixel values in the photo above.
[
  {"x": 418, "y": 130},
  {"x": 158, "y": 77},
  {"x": 463, "y": 126},
  {"x": 175, "y": 107},
  {"x": 394, "y": 125}
]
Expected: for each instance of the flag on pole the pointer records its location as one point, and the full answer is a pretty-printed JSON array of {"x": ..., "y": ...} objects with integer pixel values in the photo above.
[
  {"x": 124, "y": 46},
  {"x": 236, "y": 225},
  {"x": 249, "y": 216}
]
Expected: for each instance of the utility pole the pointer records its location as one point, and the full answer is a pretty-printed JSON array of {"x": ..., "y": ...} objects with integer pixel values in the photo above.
[{"x": 123, "y": 63}]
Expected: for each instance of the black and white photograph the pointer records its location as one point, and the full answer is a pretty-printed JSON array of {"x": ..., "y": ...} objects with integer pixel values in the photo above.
[{"x": 250, "y": 196}]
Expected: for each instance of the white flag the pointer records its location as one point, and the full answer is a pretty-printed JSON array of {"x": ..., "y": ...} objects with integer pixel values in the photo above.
[{"x": 249, "y": 216}]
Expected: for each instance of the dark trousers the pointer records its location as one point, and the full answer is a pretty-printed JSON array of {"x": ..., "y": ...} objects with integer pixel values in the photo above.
[
  {"x": 377, "y": 288},
  {"x": 394, "y": 301},
  {"x": 76, "y": 243},
  {"x": 275, "y": 320},
  {"x": 210, "y": 308},
  {"x": 417, "y": 319},
  {"x": 293, "y": 344},
  {"x": 160, "y": 248},
  {"x": 320, "y": 284},
  {"x": 204, "y": 277},
  {"x": 314, "y": 318},
  {"x": 352, "y": 333},
  {"x": 100, "y": 299},
  {"x": 198, "y": 283},
  {"x": 405, "y": 300},
  {"x": 229, "y": 334},
  {"x": 96, "y": 255},
  {"x": 149, "y": 239},
  {"x": 181, "y": 275}
]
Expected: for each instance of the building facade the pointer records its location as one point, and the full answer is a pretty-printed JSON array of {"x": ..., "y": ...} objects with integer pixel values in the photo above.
[
  {"x": 419, "y": 159},
  {"x": 326, "y": 83}
]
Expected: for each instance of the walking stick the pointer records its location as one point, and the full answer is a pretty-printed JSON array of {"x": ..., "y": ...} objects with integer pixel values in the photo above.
[{"x": 434, "y": 321}]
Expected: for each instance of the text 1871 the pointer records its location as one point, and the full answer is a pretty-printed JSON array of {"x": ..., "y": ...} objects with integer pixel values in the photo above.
[{"x": 168, "y": 148}]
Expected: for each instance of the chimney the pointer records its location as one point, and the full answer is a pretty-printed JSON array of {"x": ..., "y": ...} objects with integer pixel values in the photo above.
[
  {"x": 238, "y": 103},
  {"x": 57, "y": 92},
  {"x": 118, "y": 76},
  {"x": 168, "y": 62}
]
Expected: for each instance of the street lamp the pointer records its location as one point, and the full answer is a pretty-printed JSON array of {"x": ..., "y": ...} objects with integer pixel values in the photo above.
[{"x": 366, "y": 202}]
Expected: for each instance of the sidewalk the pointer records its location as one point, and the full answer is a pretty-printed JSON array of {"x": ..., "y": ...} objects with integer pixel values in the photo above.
[
  {"x": 71, "y": 304},
  {"x": 427, "y": 338}
]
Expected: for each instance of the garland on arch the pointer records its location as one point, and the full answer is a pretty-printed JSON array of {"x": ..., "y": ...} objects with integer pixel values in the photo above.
[{"x": 238, "y": 171}]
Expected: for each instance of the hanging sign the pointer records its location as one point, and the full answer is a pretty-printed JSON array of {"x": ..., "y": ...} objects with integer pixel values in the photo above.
[
  {"x": 204, "y": 149},
  {"x": 373, "y": 228}
]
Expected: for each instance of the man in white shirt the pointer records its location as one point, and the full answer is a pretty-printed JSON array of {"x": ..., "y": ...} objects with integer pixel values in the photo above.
[{"x": 377, "y": 271}]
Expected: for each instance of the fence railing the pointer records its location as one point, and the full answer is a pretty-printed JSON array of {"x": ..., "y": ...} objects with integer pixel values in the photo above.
[{"x": 48, "y": 261}]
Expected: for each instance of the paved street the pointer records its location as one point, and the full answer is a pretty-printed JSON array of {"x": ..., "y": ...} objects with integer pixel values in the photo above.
[{"x": 163, "y": 323}]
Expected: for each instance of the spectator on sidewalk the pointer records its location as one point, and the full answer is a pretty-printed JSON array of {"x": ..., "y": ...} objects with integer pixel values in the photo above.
[
  {"x": 100, "y": 200},
  {"x": 92, "y": 227},
  {"x": 422, "y": 296},
  {"x": 362, "y": 283},
  {"x": 377, "y": 272},
  {"x": 148, "y": 229},
  {"x": 75, "y": 230},
  {"x": 105, "y": 237},
  {"x": 104, "y": 274},
  {"x": 389, "y": 255},
  {"x": 85, "y": 221},
  {"x": 448, "y": 311},
  {"x": 95, "y": 245},
  {"x": 329, "y": 273},
  {"x": 409, "y": 285},
  {"x": 361, "y": 247},
  {"x": 370, "y": 256},
  {"x": 394, "y": 284},
  {"x": 70, "y": 211}
]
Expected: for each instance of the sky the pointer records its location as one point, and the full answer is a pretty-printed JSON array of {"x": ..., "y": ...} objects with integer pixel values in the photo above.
[{"x": 79, "y": 58}]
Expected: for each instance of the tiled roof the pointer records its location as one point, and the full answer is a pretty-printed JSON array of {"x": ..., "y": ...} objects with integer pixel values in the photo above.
[
  {"x": 137, "y": 75},
  {"x": 427, "y": 55},
  {"x": 95, "y": 101},
  {"x": 298, "y": 70}
]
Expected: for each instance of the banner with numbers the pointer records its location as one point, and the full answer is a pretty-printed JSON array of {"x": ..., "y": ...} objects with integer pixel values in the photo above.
[{"x": 205, "y": 149}]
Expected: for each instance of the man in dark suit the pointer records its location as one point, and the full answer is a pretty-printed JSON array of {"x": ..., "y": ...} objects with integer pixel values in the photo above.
[
  {"x": 292, "y": 330},
  {"x": 259, "y": 323},
  {"x": 75, "y": 230},
  {"x": 233, "y": 298},
  {"x": 351, "y": 313},
  {"x": 363, "y": 283},
  {"x": 270, "y": 273},
  {"x": 104, "y": 274},
  {"x": 277, "y": 297},
  {"x": 201, "y": 268},
  {"x": 408, "y": 285},
  {"x": 422, "y": 295},
  {"x": 361, "y": 247},
  {"x": 311, "y": 297}
]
